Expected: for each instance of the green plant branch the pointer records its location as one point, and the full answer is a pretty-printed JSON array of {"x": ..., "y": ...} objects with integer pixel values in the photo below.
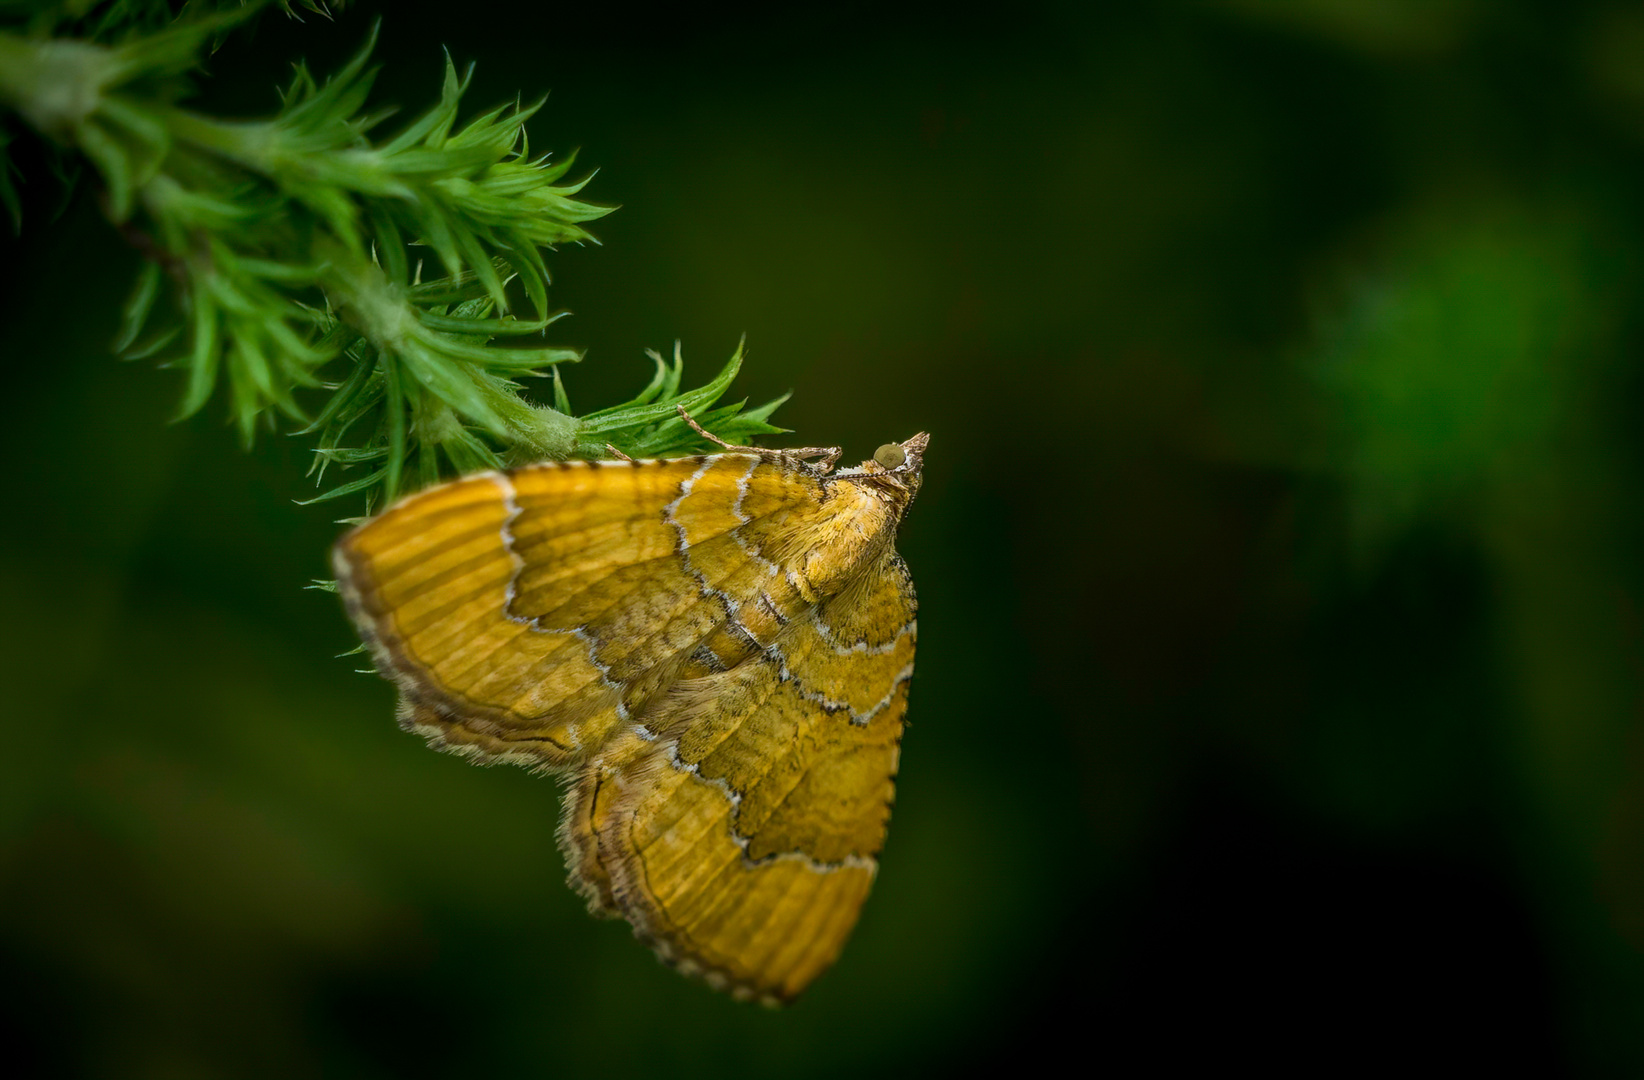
[{"x": 310, "y": 263}]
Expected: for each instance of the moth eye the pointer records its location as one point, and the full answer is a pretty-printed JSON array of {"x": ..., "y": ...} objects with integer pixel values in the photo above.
[{"x": 890, "y": 455}]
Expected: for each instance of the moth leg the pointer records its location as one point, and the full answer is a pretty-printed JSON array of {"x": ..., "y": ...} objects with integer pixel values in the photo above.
[{"x": 828, "y": 454}]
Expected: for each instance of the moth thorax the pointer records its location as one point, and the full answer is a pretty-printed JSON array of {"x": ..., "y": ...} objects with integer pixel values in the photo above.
[{"x": 840, "y": 545}]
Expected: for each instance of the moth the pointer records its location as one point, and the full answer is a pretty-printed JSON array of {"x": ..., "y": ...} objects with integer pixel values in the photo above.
[{"x": 713, "y": 652}]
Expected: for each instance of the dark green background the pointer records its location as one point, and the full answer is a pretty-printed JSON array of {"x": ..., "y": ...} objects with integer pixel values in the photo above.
[{"x": 1282, "y": 640}]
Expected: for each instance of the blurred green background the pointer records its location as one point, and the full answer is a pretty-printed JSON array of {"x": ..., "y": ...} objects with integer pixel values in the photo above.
[{"x": 1282, "y": 643}]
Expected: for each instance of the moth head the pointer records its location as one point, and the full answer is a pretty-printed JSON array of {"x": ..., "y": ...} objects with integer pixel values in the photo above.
[{"x": 900, "y": 463}]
